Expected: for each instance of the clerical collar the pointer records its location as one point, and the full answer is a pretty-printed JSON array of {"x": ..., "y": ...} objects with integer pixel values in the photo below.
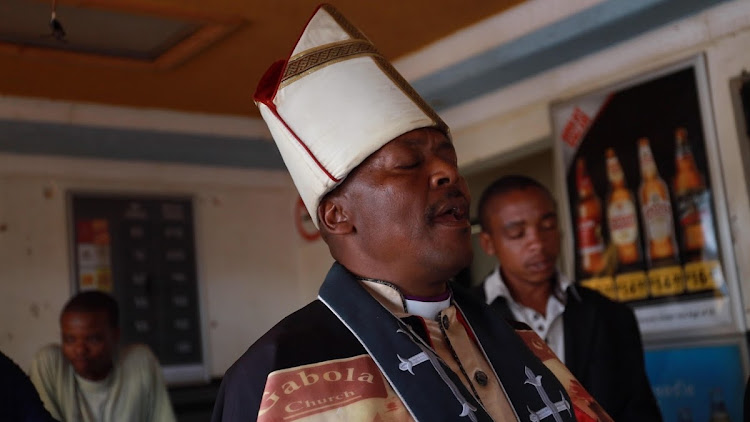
[
  {"x": 394, "y": 300},
  {"x": 426, "y": 307}
]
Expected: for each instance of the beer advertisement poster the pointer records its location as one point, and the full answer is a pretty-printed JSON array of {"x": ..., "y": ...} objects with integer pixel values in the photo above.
[{"x": 641, "y": 202}]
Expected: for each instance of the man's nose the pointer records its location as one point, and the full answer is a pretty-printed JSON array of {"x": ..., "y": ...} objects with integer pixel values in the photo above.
[
  {"x": 534, "y": 239},
  {"x": 443, "y": 172},
  {"x": 79, "y": 349}
]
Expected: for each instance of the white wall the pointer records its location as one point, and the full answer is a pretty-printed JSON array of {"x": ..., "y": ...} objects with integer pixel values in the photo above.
[
  {"x": 725, "y": 60},
  {"x": 247, "y": 248},
  {"x": 515, "y": 119}
]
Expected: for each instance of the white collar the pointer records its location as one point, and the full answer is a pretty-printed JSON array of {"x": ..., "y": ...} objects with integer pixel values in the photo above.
[
  {"x": 391, "y": 297},
  {"x": 494, "y": 287},
  {"x": 427, "y": 310}
]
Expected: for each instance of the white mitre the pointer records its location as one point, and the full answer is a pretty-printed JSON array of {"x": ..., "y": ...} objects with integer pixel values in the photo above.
[{"x": 334, "y": 102}]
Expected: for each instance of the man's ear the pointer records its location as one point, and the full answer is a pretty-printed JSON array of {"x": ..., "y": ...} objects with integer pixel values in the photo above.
[
  {"x": 333, "y": 216},
  {"x": 485, "y": 241}
]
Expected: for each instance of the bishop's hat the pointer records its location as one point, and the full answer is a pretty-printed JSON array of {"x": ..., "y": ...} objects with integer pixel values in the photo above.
[{"x": 333, "y": 102}]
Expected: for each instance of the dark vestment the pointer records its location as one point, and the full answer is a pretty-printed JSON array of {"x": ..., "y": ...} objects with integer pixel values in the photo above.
[
  {"x": 19, "y": 400},
  {"x": 603, "y": 349},
  {"x": 321, "y": 336}
]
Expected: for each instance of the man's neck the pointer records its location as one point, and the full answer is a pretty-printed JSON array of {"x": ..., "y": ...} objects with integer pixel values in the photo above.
[
  {"x": 429, "y": 293},
  {"x": 99, "y": 375},
  {"x": 409, "y": 284},
  {"x": 530, "y": 295}
]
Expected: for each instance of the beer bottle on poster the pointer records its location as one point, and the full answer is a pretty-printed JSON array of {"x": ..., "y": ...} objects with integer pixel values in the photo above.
[
  {"x": 656, "y": 210},
  {"x": 693, "y": 203},
  {"x": 719, "y": 411},
  {"x": 622, "y": 217},
  {"x": 589, "y": 223}
]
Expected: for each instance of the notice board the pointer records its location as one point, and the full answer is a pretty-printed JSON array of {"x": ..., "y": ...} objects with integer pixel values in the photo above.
[{"x": 141, "y": 250}]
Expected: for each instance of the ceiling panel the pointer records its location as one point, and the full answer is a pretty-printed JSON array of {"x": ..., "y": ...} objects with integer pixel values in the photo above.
[
  {"x": 213, "y": 71},
  {"x": 92, "y": 31}
]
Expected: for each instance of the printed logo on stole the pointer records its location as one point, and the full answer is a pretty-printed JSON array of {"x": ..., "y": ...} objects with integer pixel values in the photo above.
[
  {"x": 536, "y": 344},
  {"x": 296, "y": 393}
]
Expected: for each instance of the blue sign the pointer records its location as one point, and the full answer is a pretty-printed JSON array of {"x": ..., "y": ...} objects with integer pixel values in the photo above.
[{"x": 698, "y": 383}]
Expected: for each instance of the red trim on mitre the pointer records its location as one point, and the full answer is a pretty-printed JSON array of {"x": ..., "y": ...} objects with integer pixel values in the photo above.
[
  {"x": 269, "y": 86},
  {"x": 271, "y": 106},
  {"x": 269, "y": 83}
]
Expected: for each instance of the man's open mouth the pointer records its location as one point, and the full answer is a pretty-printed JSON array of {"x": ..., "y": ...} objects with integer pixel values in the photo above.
[{"x": 452, "y": 212}]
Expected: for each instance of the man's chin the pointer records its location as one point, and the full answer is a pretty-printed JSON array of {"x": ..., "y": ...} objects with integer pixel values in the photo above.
[
  {"x": 456, "y": 261},
  {"x": 83, "y": 373},
  {"x": 540, "y": 278},
  {"x": 83, "y": 370}
]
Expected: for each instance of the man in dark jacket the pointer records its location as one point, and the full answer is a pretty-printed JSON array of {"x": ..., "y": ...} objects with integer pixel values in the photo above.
[{"x": 596, "y": 338}]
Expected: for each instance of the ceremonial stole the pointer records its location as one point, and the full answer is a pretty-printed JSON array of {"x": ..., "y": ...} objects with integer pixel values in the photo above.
[{"x": 426, "y": 386}]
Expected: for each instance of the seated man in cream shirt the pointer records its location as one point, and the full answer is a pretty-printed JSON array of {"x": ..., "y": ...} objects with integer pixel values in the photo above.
[{"x": 89, "y": 379}]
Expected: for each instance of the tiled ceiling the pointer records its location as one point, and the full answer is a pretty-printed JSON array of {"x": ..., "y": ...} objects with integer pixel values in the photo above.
[{"x": 196, "y": 56}]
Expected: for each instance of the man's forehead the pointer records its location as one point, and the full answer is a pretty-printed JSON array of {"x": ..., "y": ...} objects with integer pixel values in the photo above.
[
  {"x": 413, "y": 139},
  {"x": 522, "y": 204},
  {"x": 524, "y": 194},
  {"x": 88, "y": 317},
  {"x": 517, "y": 216},
  {"x": 420, "y": 135}
]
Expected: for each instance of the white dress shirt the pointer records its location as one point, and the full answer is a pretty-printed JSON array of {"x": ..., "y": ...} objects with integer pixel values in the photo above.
[{"x": 548, "y": 326}]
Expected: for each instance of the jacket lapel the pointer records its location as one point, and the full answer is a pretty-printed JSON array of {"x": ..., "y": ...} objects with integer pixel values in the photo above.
[
  {"x": 578, "y": 326},
  {"x": 430, "y": 390},
  {"x": 500, "y": 305}
]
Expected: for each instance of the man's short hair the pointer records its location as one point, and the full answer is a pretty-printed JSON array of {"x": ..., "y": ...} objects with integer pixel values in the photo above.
[
  {"x": 95, "y": 301},
  {"x": 502, "y": 186}
]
